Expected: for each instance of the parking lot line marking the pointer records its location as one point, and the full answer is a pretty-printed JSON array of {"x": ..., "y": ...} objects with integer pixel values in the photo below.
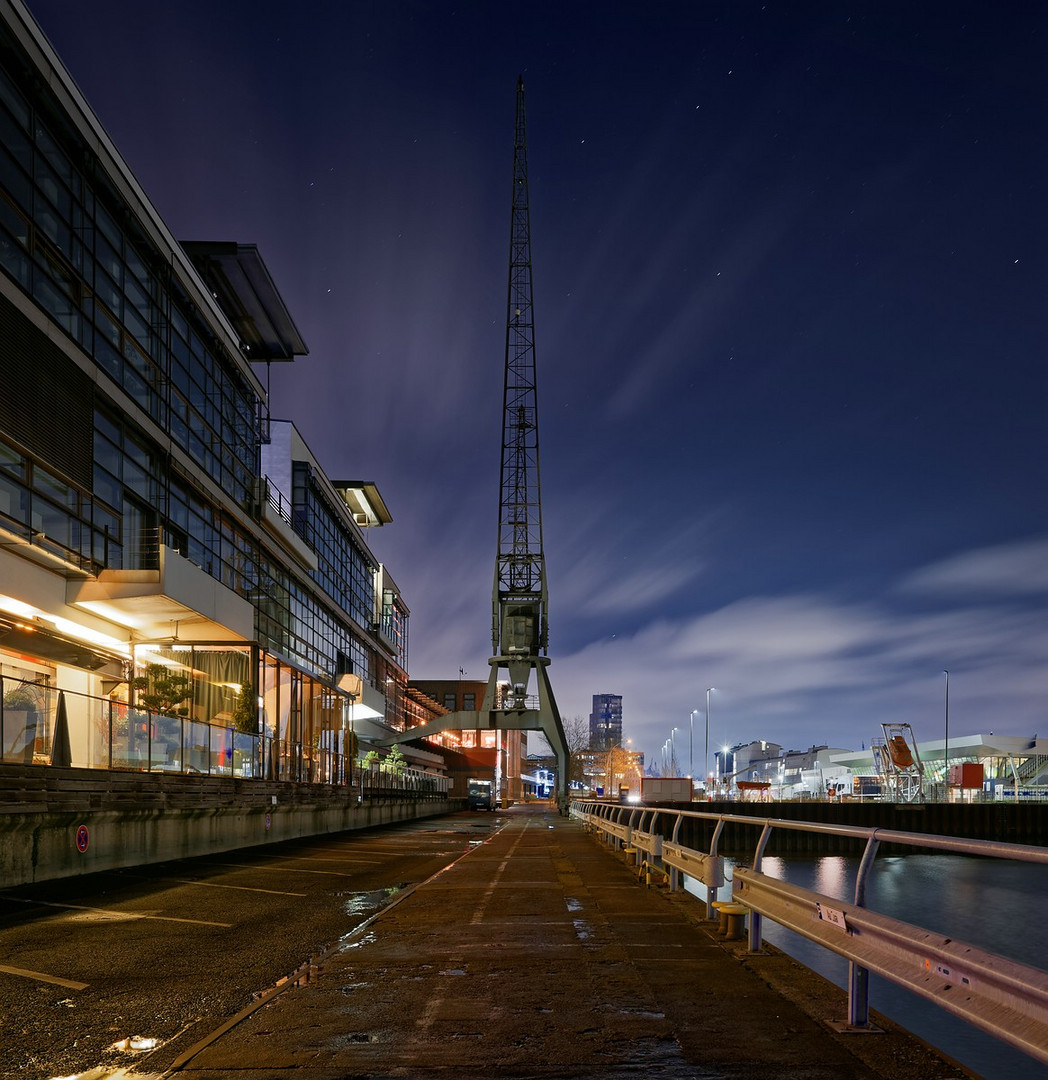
[
  {"x": 39, "y": 976},
  {"x": 239, "y": 888},
  {"x": 120, "y": 914},
  {"x": 282, "y": 869}
]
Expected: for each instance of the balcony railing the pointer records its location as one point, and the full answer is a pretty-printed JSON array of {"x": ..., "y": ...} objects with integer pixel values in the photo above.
[{"x": 40, "y": 725}]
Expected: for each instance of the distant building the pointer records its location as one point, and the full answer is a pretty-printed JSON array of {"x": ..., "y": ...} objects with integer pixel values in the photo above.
[
  {"x": 755, "y": 761},
  {"x": 605, "y": 721},
  {"x": 607, "y": 772},
  {"x": 506, "y": 750}
]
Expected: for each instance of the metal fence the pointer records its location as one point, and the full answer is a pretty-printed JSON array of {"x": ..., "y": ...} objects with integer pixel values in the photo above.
[
  {"x": 1005, "y": 998},
  {"x": 40, "y": 725}
]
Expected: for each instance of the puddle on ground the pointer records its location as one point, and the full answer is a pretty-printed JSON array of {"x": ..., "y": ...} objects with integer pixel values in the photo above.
[
  {"x": 453, "y": 971},
  {"x": 573, "y": 904},
  {"x": 134, "y": 1044},
  {"x": 356, "y": 903},
  {"x": 583, "y": 930},
  {"x": 350, "y": 941},
  {"x": 356, "y": 1037}
]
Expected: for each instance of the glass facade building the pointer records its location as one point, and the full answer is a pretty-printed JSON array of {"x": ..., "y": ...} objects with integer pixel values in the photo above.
[
  {"x": 605, "y": 721},
  {"x": 154, "y": 521}
]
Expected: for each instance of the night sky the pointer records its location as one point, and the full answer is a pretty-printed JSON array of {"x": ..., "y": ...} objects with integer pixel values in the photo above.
[{"x": 790, "y": 280}]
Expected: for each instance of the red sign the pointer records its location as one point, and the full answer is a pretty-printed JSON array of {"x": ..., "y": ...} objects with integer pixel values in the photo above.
[{"x": 82, "y": 839}]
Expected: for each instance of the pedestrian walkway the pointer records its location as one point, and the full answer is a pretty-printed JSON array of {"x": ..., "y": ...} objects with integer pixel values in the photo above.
[{"x": 539, "y": 954}]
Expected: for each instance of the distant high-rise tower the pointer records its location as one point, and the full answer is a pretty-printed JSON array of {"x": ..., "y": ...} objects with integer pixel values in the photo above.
[{"x": 605, "y": 722}]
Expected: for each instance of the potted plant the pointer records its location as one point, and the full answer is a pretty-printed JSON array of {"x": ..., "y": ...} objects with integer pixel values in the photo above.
[
  {"x": 22, "y": 698},
  {"x": 245, "y": 712},
  {"x": 20, "y": 707},
  {"x": 161, "y": 690}
]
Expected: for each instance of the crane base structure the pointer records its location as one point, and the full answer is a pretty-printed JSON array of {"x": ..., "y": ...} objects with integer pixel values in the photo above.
[{"x": 531, "y": 713}]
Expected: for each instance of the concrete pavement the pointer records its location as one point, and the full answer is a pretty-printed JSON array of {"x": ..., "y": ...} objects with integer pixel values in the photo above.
[{"x": 539, "y": 955}]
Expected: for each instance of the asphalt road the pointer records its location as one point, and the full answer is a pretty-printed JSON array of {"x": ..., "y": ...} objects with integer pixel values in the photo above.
[{"x": 91, "y": 966}]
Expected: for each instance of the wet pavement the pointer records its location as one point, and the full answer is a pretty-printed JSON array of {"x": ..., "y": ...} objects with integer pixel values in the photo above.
[{"x": 538, "y": 954}]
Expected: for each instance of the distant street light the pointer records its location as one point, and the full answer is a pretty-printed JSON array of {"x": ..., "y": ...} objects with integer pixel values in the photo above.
[
  {"x": 691, "y": 746},
  {"x": 706, "y": 777},
  {"x": 673, "y": 752},
  {"x": 946, "y": 743}
]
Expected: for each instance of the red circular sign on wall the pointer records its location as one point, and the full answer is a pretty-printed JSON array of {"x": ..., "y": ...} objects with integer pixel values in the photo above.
[{"x": 82, "y": 839}]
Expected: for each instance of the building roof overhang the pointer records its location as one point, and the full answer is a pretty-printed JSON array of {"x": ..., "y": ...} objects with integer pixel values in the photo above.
[
  {"x": 364, "y": 502},
  {"x": 241, "y": 284}
]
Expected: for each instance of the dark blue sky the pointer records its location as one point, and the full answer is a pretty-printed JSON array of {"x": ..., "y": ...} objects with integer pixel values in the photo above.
[{"x": 790, "y": 282}]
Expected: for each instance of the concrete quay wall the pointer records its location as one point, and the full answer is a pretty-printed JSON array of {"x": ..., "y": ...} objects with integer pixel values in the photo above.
[{"x": 57, "y": 823}]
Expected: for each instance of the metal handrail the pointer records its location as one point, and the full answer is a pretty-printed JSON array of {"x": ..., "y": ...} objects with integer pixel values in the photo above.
[{"x": 1002, "y": 997}]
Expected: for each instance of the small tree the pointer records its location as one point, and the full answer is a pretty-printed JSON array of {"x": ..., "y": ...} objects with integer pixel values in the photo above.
[
  {"x": 395, "y": 761},
  {"x": 161, "y": 690},
  {"x": 22, "y": 696},
  {"x": 369, "y": 759},
  {"x": 576, "y": 732},
  {"x": 245, "y": 712}
]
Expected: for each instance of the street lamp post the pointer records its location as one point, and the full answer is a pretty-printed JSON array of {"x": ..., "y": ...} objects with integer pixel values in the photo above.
[
  {"x": 673, "y": 752},
  {"x": 691, "y": 746},
  {"x": 706, "y": 765},
  {"x": 946, "y": 743}
]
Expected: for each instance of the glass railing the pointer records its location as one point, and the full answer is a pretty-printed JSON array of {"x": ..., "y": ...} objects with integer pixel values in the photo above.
[{"x": 43, "y": 726}]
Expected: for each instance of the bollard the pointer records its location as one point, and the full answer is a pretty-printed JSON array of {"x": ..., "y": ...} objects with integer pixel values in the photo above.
[{"x": 732, "y": 921}]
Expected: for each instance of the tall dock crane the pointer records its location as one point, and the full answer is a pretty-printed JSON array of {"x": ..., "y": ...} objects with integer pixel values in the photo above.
[{"x": 519, "y": 603}]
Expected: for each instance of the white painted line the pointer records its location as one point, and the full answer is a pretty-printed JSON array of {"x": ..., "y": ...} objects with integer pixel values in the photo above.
[
  {"x": 239, "y": 888},
  {"x": 348, "y": 861},
  {"x": 54, "y": 980},
  {"x": 282, "y": 869},
  {"x": 112, "y": 913}
]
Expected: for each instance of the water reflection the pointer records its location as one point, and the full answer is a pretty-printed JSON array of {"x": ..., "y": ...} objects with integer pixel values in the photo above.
[{"x": 990, "y": 903}]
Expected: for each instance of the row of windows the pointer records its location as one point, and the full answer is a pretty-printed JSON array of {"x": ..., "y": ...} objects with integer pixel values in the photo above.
[
  {"x": 395, "y": 625},
  {"x": 64, "y": 248},
  {"x": 56, "y": 514},
  {"x": 289, "y": 619},
  {"x": 293, "y": 623},
  {"x": 344, "y": 571}
]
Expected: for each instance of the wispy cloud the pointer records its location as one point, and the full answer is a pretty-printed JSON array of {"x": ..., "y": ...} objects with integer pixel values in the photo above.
[
  {"x": 809, "y": 668},
  {"x": 1018, "y": 569}
]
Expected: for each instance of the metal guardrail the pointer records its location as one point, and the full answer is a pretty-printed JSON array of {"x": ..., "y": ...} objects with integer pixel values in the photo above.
[{"x": 1007, "y": 999}]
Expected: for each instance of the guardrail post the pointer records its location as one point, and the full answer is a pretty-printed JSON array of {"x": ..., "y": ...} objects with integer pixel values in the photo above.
[
  {"x": 858, "y": 976},
  {"x": 858, "y": 995},
  {"x": 711, "y": 890},
  {"x": 754, "y": 944}
]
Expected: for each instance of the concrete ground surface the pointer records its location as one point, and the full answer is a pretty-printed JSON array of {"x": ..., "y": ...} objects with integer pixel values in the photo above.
[{"x": 538, "y": 954}]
